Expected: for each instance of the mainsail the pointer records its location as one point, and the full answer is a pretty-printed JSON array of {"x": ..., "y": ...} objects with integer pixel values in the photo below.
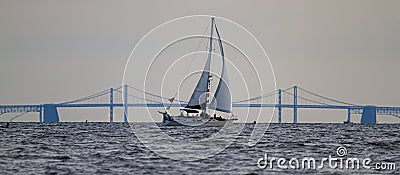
[
  {"x": 222, "y": 100},
  {"x": 199, "y": 97}
]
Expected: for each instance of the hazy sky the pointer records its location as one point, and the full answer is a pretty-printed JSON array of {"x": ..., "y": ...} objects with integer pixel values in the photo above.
[{"x": 54, "y": 51}]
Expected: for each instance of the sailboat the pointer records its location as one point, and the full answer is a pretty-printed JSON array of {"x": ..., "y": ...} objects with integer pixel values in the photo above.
[{"x": 197, "y": 111}]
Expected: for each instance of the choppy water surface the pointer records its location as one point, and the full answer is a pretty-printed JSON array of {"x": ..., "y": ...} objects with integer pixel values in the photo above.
[{"x": 104, "y": 148}]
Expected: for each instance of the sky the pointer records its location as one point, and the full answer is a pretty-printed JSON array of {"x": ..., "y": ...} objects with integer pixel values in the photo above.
[{"x": 55, "y": 51}]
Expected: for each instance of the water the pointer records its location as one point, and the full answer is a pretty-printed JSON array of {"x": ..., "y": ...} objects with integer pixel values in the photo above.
[{"x": 104, "y": 148}]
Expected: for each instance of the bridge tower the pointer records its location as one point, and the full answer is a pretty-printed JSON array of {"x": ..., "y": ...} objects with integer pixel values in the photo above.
[
  {"x": 125, "y": 92},
  {"x": 294, "y": 104},
  {"x": 111, "y": 105},
  {"x": 280, "y": 106}
]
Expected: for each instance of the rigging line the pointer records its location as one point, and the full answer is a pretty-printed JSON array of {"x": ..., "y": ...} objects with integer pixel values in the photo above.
[
  {"x": 201, "y": 40},
  {"x": 195, "y": 53},
  {"x": 19, "y": 115},
  {"x": 197, "y": 48}
]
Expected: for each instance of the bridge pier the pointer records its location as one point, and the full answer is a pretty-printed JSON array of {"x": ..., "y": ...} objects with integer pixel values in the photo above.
[
  {"x": 41, "y": 114},
  {"x": 125, "y": 92},
  {"x": 280, "y": 106},
  {"x": 368, "y": 115},
  {"x": 294, "y": 104},
  {"x": 348, "y": 115},
  {"x": 50, "y": 113},
  {"x": 111, "y": 105}
]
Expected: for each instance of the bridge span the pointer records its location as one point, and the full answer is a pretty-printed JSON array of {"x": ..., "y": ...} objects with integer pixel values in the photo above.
[{"x": 127, "y": 96}]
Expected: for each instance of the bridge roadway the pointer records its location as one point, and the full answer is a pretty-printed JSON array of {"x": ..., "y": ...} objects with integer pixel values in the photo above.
[
  {"x": 352, "y": 109},
  {"x": 309, "y": 100},
  {"x": 36, "y": 108}
]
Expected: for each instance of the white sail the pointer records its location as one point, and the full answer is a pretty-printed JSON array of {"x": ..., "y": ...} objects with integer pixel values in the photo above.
[
  {"x": 222, "y": 96},
  {"x": 222, "y": 100},
  {"x": 199, "y": 96}
]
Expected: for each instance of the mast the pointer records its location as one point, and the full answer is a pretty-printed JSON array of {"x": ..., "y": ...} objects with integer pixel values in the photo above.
[
  {"x": 222, "y": 97},
  {"x": 203, "y": 83},
  {"x": 209, "y": 56}
]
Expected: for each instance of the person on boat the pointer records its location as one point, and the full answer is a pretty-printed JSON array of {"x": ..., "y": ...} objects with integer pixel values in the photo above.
[
  {"x": 165, "y": 116},
  {"x": 7, "y": 125}
]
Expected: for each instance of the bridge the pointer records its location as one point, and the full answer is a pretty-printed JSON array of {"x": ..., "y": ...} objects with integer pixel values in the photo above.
[{"x": 127, "y": 96}]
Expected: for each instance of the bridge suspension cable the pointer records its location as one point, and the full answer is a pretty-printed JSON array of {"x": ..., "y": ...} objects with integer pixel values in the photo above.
[
  {"x": 17, "y": 116},
  {"x": 133, "y": 96},
  {"x": 326, "y": 98},
  {"x": 87, "y": 97},
  {"x": 258, "y": 97}
]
